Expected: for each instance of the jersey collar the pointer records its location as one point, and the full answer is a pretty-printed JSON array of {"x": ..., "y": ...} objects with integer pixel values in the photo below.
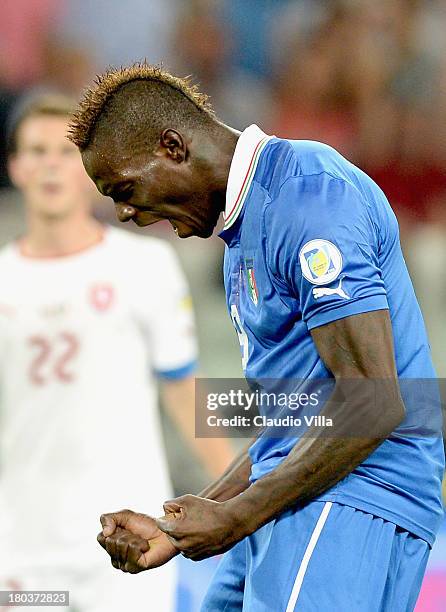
[{"x": 250, "y": 145}]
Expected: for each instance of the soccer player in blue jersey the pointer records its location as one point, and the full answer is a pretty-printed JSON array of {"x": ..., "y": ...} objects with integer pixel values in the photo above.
[{"x": 317, "y": 288}]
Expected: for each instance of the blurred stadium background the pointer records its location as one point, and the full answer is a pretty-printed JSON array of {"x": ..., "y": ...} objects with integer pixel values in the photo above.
[{"x": 366, "y": 76}]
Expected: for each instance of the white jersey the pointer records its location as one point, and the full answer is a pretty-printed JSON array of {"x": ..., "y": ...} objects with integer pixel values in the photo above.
[{"x": 81, "y": 338}]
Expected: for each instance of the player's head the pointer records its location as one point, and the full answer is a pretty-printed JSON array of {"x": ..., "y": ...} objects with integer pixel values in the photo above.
[
  {"x": 151, "y": 141},
  {"x": 43, "y": 164}
]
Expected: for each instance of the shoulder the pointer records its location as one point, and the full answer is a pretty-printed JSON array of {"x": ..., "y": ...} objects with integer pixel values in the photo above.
[
  {"x": 312, "y": 198},
  {"x": 151, "y": 264},
  {"x": 7, "y": 254},
  {"x": 12, "y": 274},
  {"x": 315, "y": 157},
  {"x": 287, "y": 158},
  {"x": 303, "y": 168},
  {"x": 318, "y": 207}
]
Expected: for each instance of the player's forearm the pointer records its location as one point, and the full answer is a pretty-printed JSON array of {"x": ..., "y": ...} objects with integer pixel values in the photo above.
[
  {"x": 233, "y": 481},
  {"x": 215, "y": 454},
  {"x": 320, "y": 460}
]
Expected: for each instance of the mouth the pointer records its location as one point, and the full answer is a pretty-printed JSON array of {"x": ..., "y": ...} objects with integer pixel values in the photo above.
[
  {"x": 182, "y": 230},
  {"x": 51, "y": 188}
]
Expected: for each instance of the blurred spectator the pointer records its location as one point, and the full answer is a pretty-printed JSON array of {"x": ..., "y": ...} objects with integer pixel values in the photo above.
[
  {"x": 251, "y": 22},
  {"x": 426, "y": 256},
  {"x": 24, "y": 28},
  {"x": 239, "y": 97},
  {"x": 406, "y": 160},
  {"x": 67, "y": 67},
  {"x": 24, "y": 25},
  {"x": 363, "y": 76},
  {"x": 120, "y": 32},
  {"x": 7, "y": 101},
  {"x": 314, "y": 99},
  {"x": 31, "y": 56}
]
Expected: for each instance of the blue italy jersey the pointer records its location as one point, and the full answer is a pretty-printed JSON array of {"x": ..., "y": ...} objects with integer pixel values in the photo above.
[{"x": 312, "y": 239}]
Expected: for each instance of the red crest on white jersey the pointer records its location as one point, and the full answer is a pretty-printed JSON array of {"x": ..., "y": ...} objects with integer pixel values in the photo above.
[{"x": 102, "y": 296}]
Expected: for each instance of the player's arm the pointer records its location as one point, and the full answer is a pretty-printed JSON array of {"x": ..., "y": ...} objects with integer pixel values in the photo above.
[
  {"x": 135, "y": 543},
  {"x": 233, "y": 481},
  {"x": 168, "y": 316},
  {"x": 366, "y": 400},
  {"x": 357, "y": 348},
  {"x": 217, "y": 454},
  {"x": 178, "y": 395}
]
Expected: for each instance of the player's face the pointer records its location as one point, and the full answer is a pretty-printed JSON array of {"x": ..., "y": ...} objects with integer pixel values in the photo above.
[
  {"x": 156, "y": 188},
  {"x": 48, "y": 168}
]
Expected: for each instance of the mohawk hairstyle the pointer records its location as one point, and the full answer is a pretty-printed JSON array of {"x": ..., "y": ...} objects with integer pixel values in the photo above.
[{"x": 122, "y": 91}]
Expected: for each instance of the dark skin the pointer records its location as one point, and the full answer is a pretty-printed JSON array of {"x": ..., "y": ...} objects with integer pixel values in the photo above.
[{"x": 184, "y": 181}]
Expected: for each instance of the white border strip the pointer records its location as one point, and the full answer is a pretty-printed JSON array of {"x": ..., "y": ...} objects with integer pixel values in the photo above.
[{"x": 307, "y": 556}]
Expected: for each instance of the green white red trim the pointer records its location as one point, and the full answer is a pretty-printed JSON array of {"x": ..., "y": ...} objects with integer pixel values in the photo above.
[
  {"x": 244, "y": 164},
  {"x": 252, "y": 286}
]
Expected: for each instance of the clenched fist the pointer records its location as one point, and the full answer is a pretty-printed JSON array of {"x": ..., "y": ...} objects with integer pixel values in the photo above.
[{"x": 134, "y": 541}]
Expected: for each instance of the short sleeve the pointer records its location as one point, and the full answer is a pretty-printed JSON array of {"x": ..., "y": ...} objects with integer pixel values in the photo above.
[
  {"x": 171, "y": 322},
  {"x": 324, "y": 246}
]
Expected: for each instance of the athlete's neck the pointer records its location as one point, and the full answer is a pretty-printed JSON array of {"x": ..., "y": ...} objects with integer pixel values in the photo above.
[
  {"x": 60, "y": 237},
  {"x": 227, "y": 139}
]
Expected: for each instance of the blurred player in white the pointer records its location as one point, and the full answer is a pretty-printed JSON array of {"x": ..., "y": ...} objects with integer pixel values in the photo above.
[{"x": 89, "y": 317}]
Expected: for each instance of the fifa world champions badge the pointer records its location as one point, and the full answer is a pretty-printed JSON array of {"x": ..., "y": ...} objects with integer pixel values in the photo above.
[
  {"x": 251, "y": 279},
  {"x": 321, "y": 261}
]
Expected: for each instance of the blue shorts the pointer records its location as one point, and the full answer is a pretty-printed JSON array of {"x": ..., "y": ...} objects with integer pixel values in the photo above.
[{"x": 326, "y": 557}]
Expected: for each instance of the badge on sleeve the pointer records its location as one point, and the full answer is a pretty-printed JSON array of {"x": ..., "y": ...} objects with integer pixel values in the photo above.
[{"x": 321, "y": 261}]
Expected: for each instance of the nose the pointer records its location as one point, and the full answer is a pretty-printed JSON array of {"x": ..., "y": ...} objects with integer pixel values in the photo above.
[{"x": 125, "y": 212}]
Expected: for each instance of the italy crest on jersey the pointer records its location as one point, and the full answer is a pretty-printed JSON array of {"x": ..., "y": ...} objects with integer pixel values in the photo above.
[
  {"x": 321, "y": 261},
  {"x": 252, "y": 285}
]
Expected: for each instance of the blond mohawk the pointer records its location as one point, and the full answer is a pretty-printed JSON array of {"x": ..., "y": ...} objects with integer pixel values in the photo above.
[{"x": 107, "y": 84}]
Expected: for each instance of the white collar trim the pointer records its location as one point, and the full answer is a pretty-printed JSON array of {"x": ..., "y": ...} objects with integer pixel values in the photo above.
[{"x": 243, "y": 166}]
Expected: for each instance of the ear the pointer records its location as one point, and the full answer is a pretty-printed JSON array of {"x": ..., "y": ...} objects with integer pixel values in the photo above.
[
  {"x": 15, "y": 171},
  {"x": 174, "y": 145}
]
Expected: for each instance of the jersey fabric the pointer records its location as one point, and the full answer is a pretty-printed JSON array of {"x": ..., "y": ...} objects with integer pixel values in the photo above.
[
  {"x": 82, "y": 340},
  {"x": 311, "y": 239},
  {"x": 326, "y": 557}
]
